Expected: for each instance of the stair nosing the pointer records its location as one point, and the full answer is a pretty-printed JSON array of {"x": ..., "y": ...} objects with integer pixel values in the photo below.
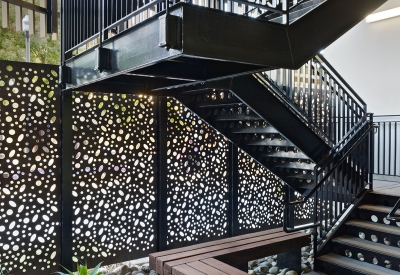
[
  {"x": 375, "y": 226},
  {"x": 369, "y": 245},
  {"x": 378, "y": 208},
  {"x": 355, "y": 265}
]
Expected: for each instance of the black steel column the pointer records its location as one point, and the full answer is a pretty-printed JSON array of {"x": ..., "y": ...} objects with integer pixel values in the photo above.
[
  {"x": 162, "y": 173},
  {"x": 289, "y": 196},
  {"x": 233, "y": 191},
  {"x": 66, "y": 180}
]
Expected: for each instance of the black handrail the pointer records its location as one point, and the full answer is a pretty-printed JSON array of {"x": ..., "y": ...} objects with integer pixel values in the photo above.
[
  {"x": 391, "y": 216},
  {"x": 344, "y": 82},
  {"x": 318, "y": 170},
  {"x": 323, "y": 96}
]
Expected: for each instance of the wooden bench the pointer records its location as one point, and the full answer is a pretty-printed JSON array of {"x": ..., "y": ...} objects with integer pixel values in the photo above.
[{"x": 217, "y": 257}]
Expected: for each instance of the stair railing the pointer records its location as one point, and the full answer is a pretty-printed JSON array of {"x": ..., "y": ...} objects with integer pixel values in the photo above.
[
  {"x": 387, "y": 142},
  {"x": 331, "y": 106},
  {"x": 392, "y": 214},
  {"x": 339, "y": 179}
]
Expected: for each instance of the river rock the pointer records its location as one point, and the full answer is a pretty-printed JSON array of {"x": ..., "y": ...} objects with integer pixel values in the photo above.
[
  {"x": 274, "y": 270},
  {"x": 291, "y": 272},
  {"x": 252, "y": 272}
]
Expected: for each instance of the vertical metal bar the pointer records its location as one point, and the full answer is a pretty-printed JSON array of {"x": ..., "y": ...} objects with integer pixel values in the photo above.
[
  {"x": 336, "y": 190},
  {"x": 325, "y": 106},
  {"x": 326, "y": 202},
  {"x": 343, "y": 120},
  {"x": 62, "y": 36},
  {"x": 309, "y": 111},
  {"x": 379, "y": 148},
  {"x": 101, "y": 22},
  {"x": 66, "y": 180},
  {"x": 384, "y": 149},
  {"x": 321, "y": 103},
  {"x": 395, "y": 148},
  {"x": 371, "y": 156},
  {"x": 233, "y": 211},
  {"x": 162, "y": 173},
  {"x": 315, "y": 92},
  {"x": 330, "y": 193},
  {"x": 390, "y": 148},
  {"x": 339, "y": 126}
]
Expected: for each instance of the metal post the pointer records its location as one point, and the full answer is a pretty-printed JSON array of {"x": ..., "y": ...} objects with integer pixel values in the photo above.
[
  {"x": 371, "y": 155},
  {"x": 315, "y": 229},
  {"x": 28, "y": 46},
  {"x": 162, "y": 172},
  {"x": 233, "y": 190},
  {"x": 66, "y": 180}
]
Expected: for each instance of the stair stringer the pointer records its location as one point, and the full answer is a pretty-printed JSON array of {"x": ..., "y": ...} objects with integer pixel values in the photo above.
[{"x": 267, "y": 106}]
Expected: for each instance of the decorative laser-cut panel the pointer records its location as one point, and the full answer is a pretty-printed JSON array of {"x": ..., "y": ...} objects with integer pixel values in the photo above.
[
  {"x": 197, "y": 181},
  {"x": 261, "y": 196},
  {"x": 29, "y": 168},
  {"x": 303, "y": 212},
  {"x": 114, "y": 177}
]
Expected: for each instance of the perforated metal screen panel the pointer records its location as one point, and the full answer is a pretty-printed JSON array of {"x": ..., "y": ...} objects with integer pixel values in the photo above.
[
  {"x": 114, "y": 177},
  {"x": 29, "y": 168},
  {"x": 261, "y": 196},
  {"x": 197, "y": 181}
]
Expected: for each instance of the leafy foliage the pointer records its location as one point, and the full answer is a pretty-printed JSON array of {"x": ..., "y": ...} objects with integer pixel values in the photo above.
[
  {"x": 12, "y": 43},
  {"x": 83, "y": 270}
]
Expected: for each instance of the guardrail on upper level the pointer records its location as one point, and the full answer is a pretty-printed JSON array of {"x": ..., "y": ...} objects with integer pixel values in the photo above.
[
  {"x": 387, "y": 147},
  {"x": 47, "y": 10},
  {"x": 87, "y": 24},
  {"x": 322, "y": 96}
]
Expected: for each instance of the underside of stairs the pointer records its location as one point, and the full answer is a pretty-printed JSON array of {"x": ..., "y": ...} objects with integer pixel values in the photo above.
[
  {"x": 194, "y": 43},
  {"x": 366, "y": 243}
]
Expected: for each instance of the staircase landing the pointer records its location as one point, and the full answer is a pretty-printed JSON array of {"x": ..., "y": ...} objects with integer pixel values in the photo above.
[{"x": 386, "y": 188}]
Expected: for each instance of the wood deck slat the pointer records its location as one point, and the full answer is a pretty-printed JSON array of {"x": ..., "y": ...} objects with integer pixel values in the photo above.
[
  {"x": 240, "y": 254},
  {"x": 160, "y": 261},
  {"x": 185, "y": 270},
  {"x": 206, "y": 268},
  {"x": 153, "y": 256},
  {"x": 223, "y": 266}
]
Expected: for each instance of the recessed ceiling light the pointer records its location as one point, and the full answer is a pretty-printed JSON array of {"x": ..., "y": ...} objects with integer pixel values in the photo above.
[{"x": 383, "y": 15}]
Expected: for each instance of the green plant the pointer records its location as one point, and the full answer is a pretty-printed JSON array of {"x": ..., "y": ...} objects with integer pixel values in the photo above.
[{"x": 82, "y": 270}]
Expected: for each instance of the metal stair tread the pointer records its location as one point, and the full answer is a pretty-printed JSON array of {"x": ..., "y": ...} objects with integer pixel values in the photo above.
[
  {"x": 375, "y": 226},
  {"x": 295, "y": 165},
  {"x": 378, "y": 208},
  {"x": 283, "y": 154},
  {"x": 359, "y": 266},
  {"x": 369, "y": 245}
]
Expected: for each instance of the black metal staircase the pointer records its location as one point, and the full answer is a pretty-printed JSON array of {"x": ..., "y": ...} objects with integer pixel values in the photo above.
[
  {"x": 367, "y": 243},
  {"x": 149, "y": 43},
  {"x": 305, "y": 123}
]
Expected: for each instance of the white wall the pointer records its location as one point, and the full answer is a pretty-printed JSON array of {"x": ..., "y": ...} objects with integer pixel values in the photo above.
[{"x": 368, "y": 58}]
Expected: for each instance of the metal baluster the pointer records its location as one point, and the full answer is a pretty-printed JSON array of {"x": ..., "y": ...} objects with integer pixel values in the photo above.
[
  {"x": 379, "y": 147},
  {"x": 343, "y": 113},
  {"x": 321, "y": 100},
  {"x": 336, "y": 190},
  {"x": 390, "y": 148},
  {"x": 330, "y": 193},
  {"x": 395, "y": 148},
  {"x": 339, "y": 114},
  {"x": 315, "y": 93},
  {"x": 309, "y": 91},
  {"x": 384, "y": 148}
]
